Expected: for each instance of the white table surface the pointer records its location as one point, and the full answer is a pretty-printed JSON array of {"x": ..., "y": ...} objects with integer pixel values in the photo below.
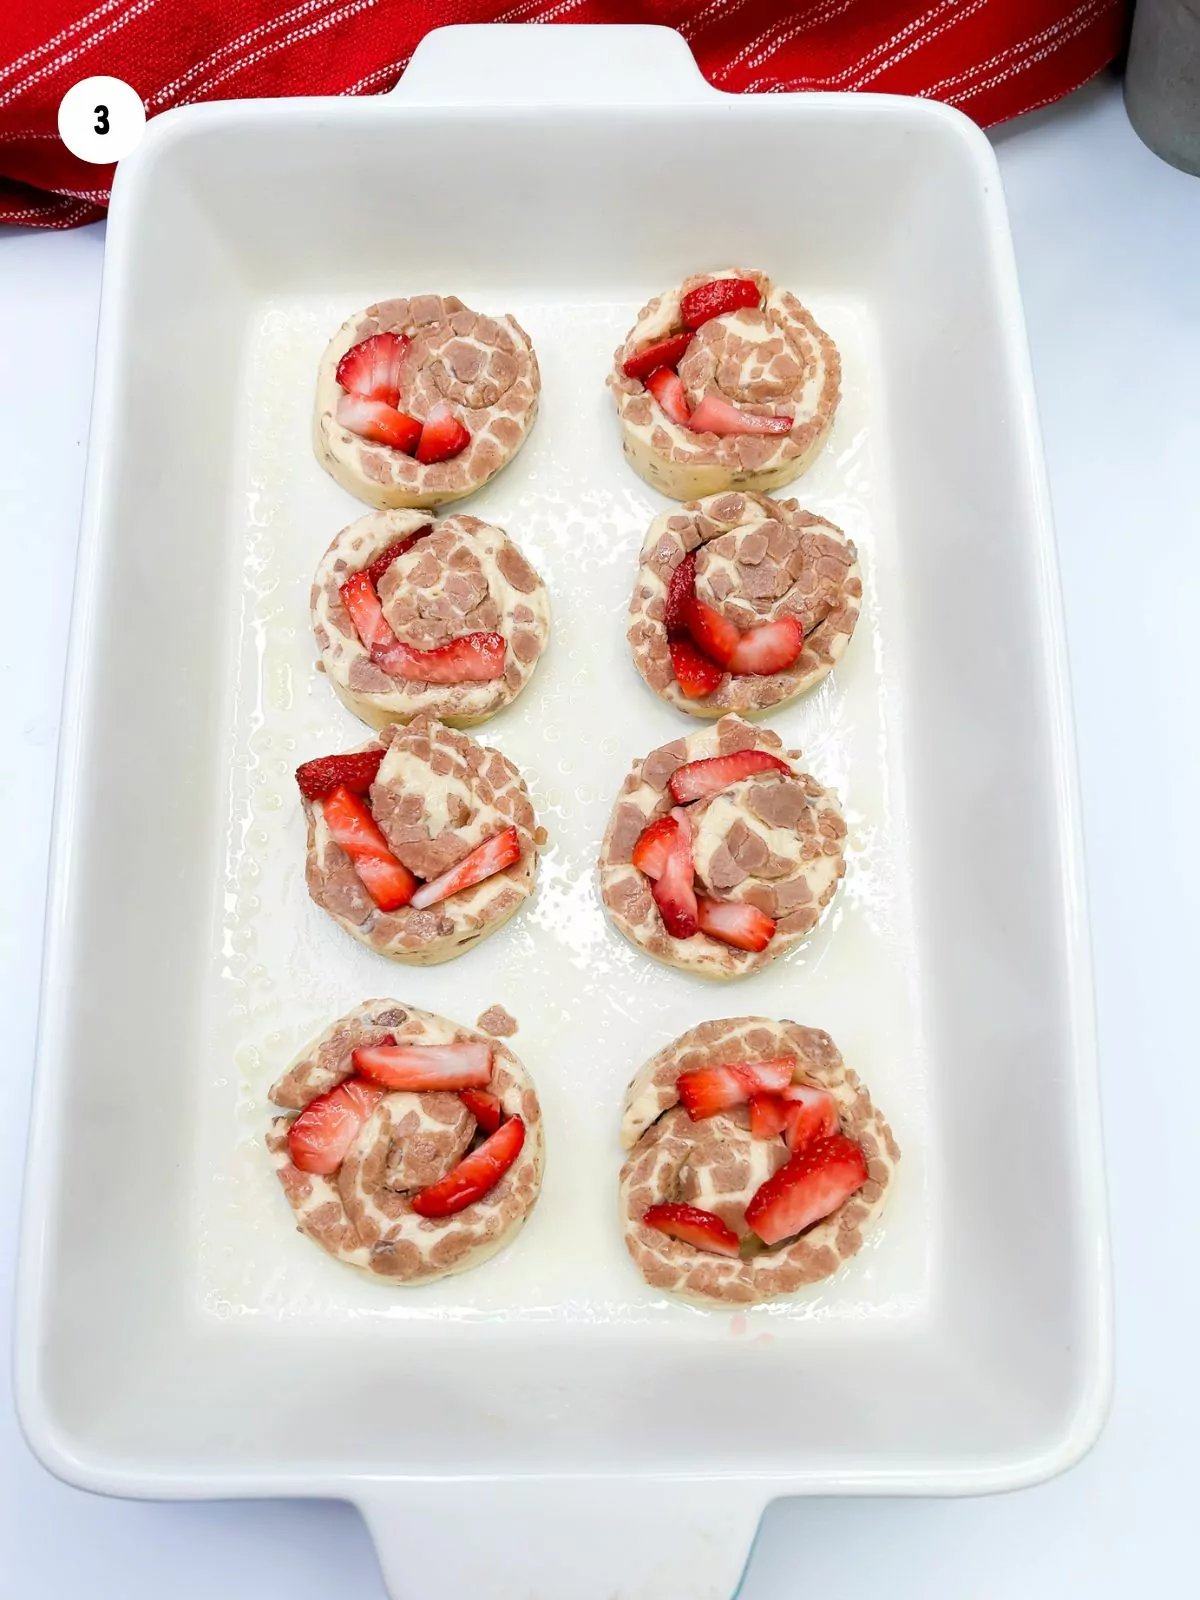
[{"x": 1108, "y": 242}]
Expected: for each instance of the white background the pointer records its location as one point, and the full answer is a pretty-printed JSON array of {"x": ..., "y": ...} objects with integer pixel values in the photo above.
[{"x": 1108, "y": 243}]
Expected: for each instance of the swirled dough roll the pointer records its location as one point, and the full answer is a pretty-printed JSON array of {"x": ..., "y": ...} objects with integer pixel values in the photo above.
[
  {"x": 436, "y": 800},
  {"x": 755, "y": 367},
  {"x": 466, "y": 369},
  {"x": 397, "y": 1145},
  {"x": 765, "y": 852},
  {"x": 469, "y": 610},
  {"x": 755, "y": 562},
  {"x": 718, "y": 1164}
]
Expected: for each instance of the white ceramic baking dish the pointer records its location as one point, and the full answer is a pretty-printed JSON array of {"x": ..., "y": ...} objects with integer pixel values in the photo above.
[{"x": 548, "y": 1426}]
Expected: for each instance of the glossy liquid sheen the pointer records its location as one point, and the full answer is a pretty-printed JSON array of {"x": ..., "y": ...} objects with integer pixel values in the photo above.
[{"x": 591, "y": 1008}]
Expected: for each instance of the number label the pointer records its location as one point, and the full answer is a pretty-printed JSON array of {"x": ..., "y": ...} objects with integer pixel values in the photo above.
[{"x": 101, "y": 113}]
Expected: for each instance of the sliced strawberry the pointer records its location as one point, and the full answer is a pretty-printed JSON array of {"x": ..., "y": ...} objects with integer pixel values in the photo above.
[
  {"x": 475, "y": 1174},
  {"x": 696, "y": 779},
  {"x": 773, "y": 647},
  {"x": 745, "y": 927},
  {"x": 393, "y": 553},
  {"x": 372, "y": 368},
  {"x": 695, "y": 674},
  {"x": 706, "y": 1090},
  {"x": 473, "y": 658},
  {"x": 810, "y": 1114},
  {"x": 701, "y": 1229},
  {"x": 654, "y": 846},
  {"x": 666, "y": 353},
  {"x": 717, "y": 299},
  {"x": 484, "y": 1107},
  {"x": 674, "y": 889},
  {"x": 355, "y": 772},
  {"x": 377, "y": 421},
  {"x": 680, "y": 591},
  {"x": 442, "y": 436},
  {"x": 811, "y": 1185},
  {"x": 388, "y": 881},
  {"x": 485, "y": 861},
  {"x": 768, "y": 1115},
  {"x": 715, "y": 414},
  {"x": 667, "y": 388},
  {"x": 715, "y": 634},
  {"x": 418, "y": 1067},
  {"x": 320, "y": 1137}
]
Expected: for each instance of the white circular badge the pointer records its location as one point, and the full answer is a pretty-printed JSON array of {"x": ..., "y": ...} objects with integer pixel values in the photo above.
[{"x": 101, "y": 119}]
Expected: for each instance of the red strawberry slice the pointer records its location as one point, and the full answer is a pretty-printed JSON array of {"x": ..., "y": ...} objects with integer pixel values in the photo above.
[
  {"x": 717, "y": 299},
  {"x": 696, "y": 779},
  {"x": 472, "y": 658},
  {"x": 442, "y": 436},
  {"x": 706, "y": 1090},
  {"x": 320, "y": 1137},
  {"x": 715, "y": 414},
  {"x": 679, "y": 595},
  {"x": 695, "y": 674},
  {"x": 701, "y": 1229},
  {"x": 355, "y": 772},
  {"x": 715, "y": 634},
  {"x": 811, "y": 1185},
  {"x": 388, "y": 881},
  {"x": 674, "y": 889},
  {"x": 654, "y": 846},
  {"x": 484, "y": 1107},
  {"x": 667, "y": 388},
  {"x": 745, "y": 927},
  {"x": 379, "y": 422},
  {"x": 768, "y": 1115},
  {"x": 475, "y": 1174},
  {"x": 810, "y": 1114},
  {"x": 418, "y": 1067},
  {"x": 773, "y": 647},
  {"x": 485, "y": 861},
  {"x": 393, "y": 553},
  {"x": 666, "y": 353},
  {"x": 372, "y": 368}
]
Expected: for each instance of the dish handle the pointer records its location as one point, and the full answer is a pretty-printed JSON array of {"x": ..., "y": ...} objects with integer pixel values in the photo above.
[
  {"x": 554, "y": 1538},
  {"x": 553, "y": 64}
]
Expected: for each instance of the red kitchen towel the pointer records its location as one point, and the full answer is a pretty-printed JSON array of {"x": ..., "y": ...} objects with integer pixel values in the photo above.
[{"x": 994, "y": 58}]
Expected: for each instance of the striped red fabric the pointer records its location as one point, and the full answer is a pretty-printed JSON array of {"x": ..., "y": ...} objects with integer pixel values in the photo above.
[{"x": 993, "y": 58}]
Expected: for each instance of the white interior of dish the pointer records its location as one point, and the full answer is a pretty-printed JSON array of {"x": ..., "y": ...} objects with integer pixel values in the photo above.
[{"x": 181, "y": 1319}]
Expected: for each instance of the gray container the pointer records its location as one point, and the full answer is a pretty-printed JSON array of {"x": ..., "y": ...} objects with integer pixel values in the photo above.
[{"x": 1162, "y": 79}]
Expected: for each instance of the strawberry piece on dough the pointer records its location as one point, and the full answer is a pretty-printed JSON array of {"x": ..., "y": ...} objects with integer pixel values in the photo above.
[
  {"x": 667, "y": 388},
  {"x": 378, "y": 422},
  {"x": 416, "y": 1067},
  {"x": 320, "y": 1137},
  {"x": 695, "y": 674},
  {"x": 718, "y": 298},
  {"x": 706, "y": 1090},
  {"x": 388, "y": 881},
  {"x": 743, "y": 926},
  {"x": 471, "y": 658},
  {"x": 355, "y": 772},
  {"x": 666, "y": 353},
  {"x": 372, "y": 368},
  {"x": 680, "y": 591},
  {"x": 484, "y": 1107},
  {"x": 809, "y": 1186},
  {"x": 768, "y": 1115},
  {"x": 674, "y": 888},
  {"x": 485, "y": 861},
  {"x": 475, "y": 1174},
  {"x": 393, "y": 553},
  {"x": 809, "y": 1114},
  {"x": 697, "y": 779},
  {"x": 701, "y": 1229},
  {"x": 442, "y": 436},
  {"x": 715, "y": 634},
  {"x": 773, "y": 647},
  {"x": 717, "y": 415}
]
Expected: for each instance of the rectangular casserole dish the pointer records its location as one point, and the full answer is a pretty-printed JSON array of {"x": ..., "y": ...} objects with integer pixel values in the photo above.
[{"x": 175, "y": 1337}]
